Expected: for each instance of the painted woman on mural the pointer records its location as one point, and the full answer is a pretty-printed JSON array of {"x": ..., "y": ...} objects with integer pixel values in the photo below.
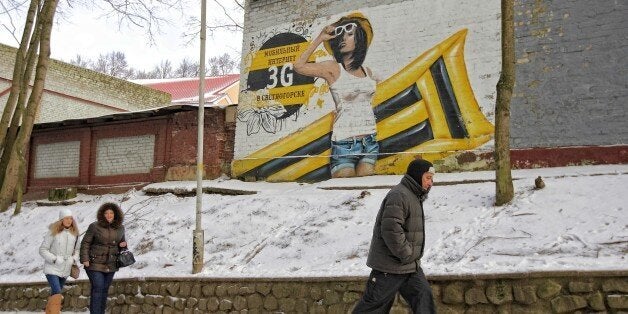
[{"x": 352, "y": 85}]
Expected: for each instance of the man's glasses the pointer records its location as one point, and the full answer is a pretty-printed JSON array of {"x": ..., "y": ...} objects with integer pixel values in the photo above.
[{"x": 347, "y": 28}]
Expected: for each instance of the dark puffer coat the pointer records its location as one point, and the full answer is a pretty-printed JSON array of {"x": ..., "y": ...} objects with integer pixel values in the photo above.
[
  {"x": 100, "y": 245},
  {"x": 399, "y": 233}
]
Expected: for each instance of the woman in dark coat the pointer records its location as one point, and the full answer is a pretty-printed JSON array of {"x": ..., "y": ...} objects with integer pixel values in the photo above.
[{"x": 99, "y": 251}]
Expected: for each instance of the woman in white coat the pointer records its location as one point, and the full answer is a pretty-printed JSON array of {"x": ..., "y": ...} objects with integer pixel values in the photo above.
[{"x": 59, "y": 250}]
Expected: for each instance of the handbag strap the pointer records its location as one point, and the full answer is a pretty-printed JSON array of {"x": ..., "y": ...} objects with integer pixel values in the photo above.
[{"x": 74, "y": 248}]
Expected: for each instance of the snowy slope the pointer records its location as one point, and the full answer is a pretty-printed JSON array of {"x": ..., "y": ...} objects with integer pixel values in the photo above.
[{"x": 578, "y": 222}]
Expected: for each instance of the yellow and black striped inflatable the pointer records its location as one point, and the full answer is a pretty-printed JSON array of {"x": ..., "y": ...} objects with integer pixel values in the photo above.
[{"x": 426, "y": 108}]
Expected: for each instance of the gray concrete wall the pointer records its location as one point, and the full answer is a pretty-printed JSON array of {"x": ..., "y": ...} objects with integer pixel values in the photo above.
[{"x": 572, "y": 74}]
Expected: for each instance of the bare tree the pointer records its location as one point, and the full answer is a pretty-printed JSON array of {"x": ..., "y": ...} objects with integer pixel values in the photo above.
[
  {"x": 230, "y": 19},
  {"x": 141, "y": 74},
  {"x": 82, "y": 62},
  {"x": 35, "y": 41},
  {"x": 221, "y": 65},
  {"x": 187, "y": 68},
  {"x": 231, "y": 15},
  {"x": 113, "y": 63},
  {"x": 145, "y": 14},
  {"x": 505, "y": 85},
  {"x": 8, "y": 8},
  {"x": 18, "y": 69},
  {"x": 162, "y": 70},
  {"x": 44, "y": 19},
  {"x": 12, "y": 132}
]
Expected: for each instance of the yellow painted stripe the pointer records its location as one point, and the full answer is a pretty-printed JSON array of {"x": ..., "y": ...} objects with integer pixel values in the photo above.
[
  {"x": 402, "y": 120},
  {"x": 427, "y": 88},
  {"x": 457, "y": 144},
  {"x": 301, "y": 168},
  {"x": 474, "y": 120},
  {"x": 411, "y": 73},
  {"x": 398, "y": 163},
  {"x": 431, "y": 150},
  {"x": 405, "y": 77},
  {"x": 277, "y": 56},
  {"x": 284, "y": 146}
]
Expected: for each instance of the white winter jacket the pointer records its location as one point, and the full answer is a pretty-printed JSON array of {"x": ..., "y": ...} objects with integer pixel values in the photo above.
[{"x": 59, "y": 252}]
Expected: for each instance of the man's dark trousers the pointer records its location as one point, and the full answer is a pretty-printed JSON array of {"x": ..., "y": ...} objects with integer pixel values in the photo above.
[{"x": 381, "y": 289}]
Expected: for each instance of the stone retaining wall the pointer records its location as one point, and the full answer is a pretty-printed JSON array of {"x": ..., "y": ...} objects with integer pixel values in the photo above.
[{"x": 512, "y": 293}]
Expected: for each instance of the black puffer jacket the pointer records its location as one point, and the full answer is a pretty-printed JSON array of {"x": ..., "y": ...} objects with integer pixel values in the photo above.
[
  {"x": 100, "y": 245},
  {"x": 399, "y": 233}
]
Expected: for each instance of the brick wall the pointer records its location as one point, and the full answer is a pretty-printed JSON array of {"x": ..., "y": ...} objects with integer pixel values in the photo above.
[
  {"x": 572, "y": 74},
  {"x": 218, "y": 145},
  {"x": 125, "y": 155},
  {"x": 73, "y": 92},
  {"x": 57, "y": 160},
  {"x": 58, "y": 107},
  {"x": 93, "y": 155}
]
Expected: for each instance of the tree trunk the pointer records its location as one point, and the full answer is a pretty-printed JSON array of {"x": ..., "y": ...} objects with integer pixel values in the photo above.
[
  {"x": 11, "y": 175},
  {"x": 11, "y": 134},
  {"x": 505, "y": 86},
  {"x": 19, "y": 189},
  {"x": 18, "y": 71}
]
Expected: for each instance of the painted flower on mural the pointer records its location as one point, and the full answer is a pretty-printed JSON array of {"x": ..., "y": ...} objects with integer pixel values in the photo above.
[{"x": 261, "y": 118}]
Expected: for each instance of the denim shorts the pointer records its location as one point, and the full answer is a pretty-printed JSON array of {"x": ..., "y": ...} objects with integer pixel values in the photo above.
[{"x": 348, "y": 153}]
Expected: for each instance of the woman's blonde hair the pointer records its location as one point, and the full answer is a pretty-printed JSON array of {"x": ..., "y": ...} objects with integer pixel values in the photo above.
[{"x": 57, "y": 227}]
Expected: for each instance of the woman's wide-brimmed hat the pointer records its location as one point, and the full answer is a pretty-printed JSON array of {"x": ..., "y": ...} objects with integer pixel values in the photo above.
[{"x": 364, "y": 23}]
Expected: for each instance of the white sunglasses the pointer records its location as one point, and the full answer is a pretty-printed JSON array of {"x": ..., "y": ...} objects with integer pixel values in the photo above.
[{"x": 347, "y": 28}]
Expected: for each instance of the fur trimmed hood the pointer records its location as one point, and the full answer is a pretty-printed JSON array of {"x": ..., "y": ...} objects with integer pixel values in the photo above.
[{"x": 118, "y": 215}]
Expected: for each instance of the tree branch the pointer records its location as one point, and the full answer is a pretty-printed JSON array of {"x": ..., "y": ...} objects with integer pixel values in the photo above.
[
  {"x": 142, "y": 13},
  {"x": 235, "y": 23}
]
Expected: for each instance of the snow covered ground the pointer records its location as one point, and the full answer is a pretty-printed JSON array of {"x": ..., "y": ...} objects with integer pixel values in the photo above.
[{"x": 577, "y": 222}]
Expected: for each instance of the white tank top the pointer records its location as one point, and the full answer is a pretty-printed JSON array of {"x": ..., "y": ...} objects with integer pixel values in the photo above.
[{"x": 354, "y": 113}]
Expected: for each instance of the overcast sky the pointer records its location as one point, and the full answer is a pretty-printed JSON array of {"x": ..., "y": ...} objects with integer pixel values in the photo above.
[{"x": 89, "y": 32}]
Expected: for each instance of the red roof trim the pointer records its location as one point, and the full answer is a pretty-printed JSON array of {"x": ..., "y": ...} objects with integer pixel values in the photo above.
[{"x": 184, "y": 89}]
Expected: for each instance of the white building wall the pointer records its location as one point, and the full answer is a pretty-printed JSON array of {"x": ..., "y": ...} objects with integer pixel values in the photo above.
[
  {"x": 403, "y": 30},
  {"x": 125, "y": 155},
  {"x": 57, "y": 160}
]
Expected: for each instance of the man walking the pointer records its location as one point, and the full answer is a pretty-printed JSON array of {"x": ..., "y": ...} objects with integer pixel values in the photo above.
[{"x": 397, "y": 246}]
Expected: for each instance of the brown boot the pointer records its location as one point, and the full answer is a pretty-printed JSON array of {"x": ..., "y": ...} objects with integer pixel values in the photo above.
[{"x": 54, "y": 304}]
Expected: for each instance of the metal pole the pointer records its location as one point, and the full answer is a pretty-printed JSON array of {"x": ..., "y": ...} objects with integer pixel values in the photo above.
[{"x": 198, "y": 243}]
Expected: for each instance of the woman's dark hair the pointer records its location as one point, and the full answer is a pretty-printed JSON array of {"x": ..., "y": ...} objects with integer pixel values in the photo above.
[
  {"x": 118, "y": 216},
  {"x": 359, "y": 53}
]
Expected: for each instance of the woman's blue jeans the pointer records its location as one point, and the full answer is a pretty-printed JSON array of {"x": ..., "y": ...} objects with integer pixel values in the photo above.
[
  {"x": 100, "y": 282},
  {"x": 56, "y": 283}
]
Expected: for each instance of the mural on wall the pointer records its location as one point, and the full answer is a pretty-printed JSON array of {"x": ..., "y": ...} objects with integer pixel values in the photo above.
[{"x": 317, "y": 110}]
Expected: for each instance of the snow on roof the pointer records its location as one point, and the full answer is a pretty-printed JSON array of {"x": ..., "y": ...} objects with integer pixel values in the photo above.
[
  {"x": 187, "y": 88},
  {"x": 164, "y": 110}
]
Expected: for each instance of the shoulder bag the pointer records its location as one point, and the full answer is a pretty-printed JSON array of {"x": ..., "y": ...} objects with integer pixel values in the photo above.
[
  {"x": 125, "y": 258},
  {"x": 75, "y": 271}
]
